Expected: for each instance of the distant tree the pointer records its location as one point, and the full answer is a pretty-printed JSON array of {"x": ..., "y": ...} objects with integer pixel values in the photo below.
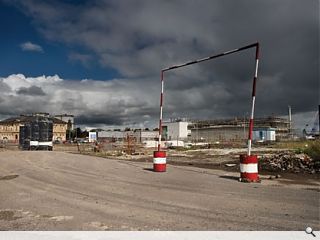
[
  {"x": 127, "y": 129},
  {"x": 68, "y": 134},
  {"x": 78, "y": 132},
  {"x": 69, "y": 125},
  {"x": 84, "y": 134},
  {"x": 147, "y": 129},
  {"x": 96, "y": 130}
]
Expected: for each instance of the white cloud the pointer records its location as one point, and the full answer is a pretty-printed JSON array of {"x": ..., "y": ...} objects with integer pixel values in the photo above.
[
  {"x": 29, "y": 46},
  {"x": 16, "y": 81},
  {"x": 114, "y": 102}
]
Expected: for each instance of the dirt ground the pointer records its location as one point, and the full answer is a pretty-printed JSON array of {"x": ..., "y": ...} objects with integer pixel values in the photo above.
[{"x": 65, "y": 191}]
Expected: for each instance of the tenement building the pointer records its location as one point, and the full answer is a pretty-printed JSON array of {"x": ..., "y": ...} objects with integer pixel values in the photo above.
[{"x": 10, "y": 128}]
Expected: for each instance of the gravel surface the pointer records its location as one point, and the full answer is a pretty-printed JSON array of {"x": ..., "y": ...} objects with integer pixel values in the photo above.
[{"x": 63, "y": 191}]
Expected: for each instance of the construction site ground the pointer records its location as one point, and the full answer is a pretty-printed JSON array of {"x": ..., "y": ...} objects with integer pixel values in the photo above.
[{"x": 66, "y": 191}]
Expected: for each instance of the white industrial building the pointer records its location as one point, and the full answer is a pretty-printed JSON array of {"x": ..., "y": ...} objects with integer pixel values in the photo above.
[
  {"x": 138, "y": 135},
  {"x": 112, "y": 135},
  {"x": 142, "y": 135},
  {"x": 175, "y": 130},
  {"x": 92, "y": 136},
  {"x": 264, "y": 134},
  {"x": 219, "y": 133}
]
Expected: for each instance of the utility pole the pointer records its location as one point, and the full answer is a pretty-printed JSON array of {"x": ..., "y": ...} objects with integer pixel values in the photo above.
[
  {"x": 290, "y": 121},
  {"x": 244, "y": 126},
  {"x": 319, "y": 118}
]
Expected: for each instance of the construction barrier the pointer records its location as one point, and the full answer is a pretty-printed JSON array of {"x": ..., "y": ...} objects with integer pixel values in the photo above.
[
  {"x": 249, "y": 168},
  {"x": 249, "y": 164},
  {"x": 159, "y": 161}
]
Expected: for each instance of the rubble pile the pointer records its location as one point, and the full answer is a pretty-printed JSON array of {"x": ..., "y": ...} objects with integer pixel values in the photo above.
[{"x": 289, "y": 162}]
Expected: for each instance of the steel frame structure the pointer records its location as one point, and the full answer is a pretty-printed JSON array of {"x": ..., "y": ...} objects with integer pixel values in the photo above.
[{"x": 254, "y": 45}]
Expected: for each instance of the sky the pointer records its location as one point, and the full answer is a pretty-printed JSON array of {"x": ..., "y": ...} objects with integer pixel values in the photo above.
[{"x": 101, "y": 60}]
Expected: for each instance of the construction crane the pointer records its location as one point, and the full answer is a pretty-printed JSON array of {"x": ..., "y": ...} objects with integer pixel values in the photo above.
[{"x": 315, "y": 130}]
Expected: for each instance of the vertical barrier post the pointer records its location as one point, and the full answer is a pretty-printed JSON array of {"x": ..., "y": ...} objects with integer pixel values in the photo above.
[
  {"x": 249, "y": 163},
  {"x": 159, "y": 157}
]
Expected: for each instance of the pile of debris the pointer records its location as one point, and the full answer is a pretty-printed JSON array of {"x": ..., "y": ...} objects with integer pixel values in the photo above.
[{"x": 289, "y": 162}]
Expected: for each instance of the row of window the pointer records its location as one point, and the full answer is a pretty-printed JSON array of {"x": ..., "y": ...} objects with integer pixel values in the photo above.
[
  {"x": 6, "y": 128},
  {"x": 16, "y": 129}
]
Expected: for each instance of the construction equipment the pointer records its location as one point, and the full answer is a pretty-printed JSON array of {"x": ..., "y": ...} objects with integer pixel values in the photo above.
[{"x": 315, "y": 130}]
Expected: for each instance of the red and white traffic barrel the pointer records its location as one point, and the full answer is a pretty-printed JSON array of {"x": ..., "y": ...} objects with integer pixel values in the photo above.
[
  {"x": 159, "y": 161},
  {"x": 249, "y": 168}
]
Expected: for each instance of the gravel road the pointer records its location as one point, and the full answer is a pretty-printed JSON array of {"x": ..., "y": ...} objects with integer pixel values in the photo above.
[{"x": 63, "y": 191}]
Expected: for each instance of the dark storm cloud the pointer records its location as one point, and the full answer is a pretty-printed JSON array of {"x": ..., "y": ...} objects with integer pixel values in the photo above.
[
  {"x": 31, "y": 91},
  {"x": 16, "y": 105},
  {"x": 138, "y": 38},
  {"x": 99, "y": 119}
]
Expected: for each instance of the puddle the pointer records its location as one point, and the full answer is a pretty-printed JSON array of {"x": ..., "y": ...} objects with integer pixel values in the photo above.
[{"x": 9, "y": 177}]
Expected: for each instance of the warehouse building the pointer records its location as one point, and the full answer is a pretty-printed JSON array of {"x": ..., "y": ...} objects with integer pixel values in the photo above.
[
  {"x": 234, "y": 130},
  {"x": 218, "y": 133},
  {"x": 139, "y": 136}
]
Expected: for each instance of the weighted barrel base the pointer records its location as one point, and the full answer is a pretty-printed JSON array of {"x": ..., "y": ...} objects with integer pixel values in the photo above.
[
  {"x": 159, "y": 161},
  {"x": 246, "y": 180},
  {"x": 249, "y": 168}
]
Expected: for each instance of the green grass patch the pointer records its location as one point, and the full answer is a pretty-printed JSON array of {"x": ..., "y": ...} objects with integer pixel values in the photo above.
[{"x": 313, "y": 150}]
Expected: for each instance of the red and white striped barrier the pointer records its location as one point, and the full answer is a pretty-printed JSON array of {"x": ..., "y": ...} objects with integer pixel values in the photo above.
[
  {"x": 253, "y": 100},
  {"x": 249, "y": 168},
  {"x": 254, "y": 45},
  {"x": 249, "y": 163},
  {"x": 159, "y": 161}
]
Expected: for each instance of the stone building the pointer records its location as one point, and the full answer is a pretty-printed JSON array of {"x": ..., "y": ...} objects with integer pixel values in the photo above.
[
  {"x": 10, "y": 128},
  {"x": 68, "y": 118},
  {"x": 59, "y": 130}
]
